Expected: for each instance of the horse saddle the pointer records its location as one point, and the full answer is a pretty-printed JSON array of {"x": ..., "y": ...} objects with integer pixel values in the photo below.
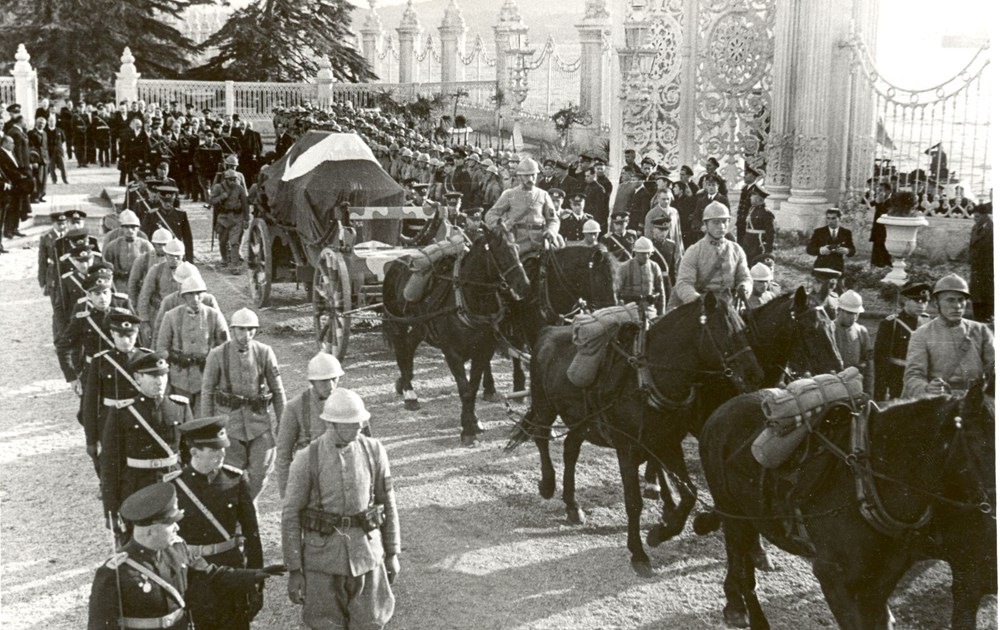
[{"x": 592, "y": 332}]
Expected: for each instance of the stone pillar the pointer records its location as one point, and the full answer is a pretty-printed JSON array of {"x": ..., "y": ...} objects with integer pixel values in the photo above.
[
  {"x": 861, "y": 121},
  {"x": 452, "y": 32},
  {"x": 25, "y": 85},
  {"x": 371, "y": 33},
  {"x": 230, "y": 99},
  {"x": 596, "y": 25},
  {"x": 779, "y": 153},
  {"x": 408, "y": 30},
  {"x": 509, "y": 30},
  {"x": 324, "y": 83},
  {"x": 127, "y": 79}
]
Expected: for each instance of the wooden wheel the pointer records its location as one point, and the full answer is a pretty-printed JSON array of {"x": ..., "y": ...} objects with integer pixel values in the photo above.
[
  {"x": 260, "y": 265},
  {"x": 331, "y": 300}
]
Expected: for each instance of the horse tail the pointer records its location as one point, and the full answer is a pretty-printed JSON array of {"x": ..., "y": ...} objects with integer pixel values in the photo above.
[
  {"x": 392, "y": 305},
  {"x": 522, "y": 431},
  {"x": 706, "y": 523}
]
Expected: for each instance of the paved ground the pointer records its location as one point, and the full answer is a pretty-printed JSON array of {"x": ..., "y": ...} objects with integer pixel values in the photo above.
[{"x": 481, "y": 549}]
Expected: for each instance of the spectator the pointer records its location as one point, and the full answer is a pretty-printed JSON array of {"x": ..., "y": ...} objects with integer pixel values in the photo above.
[
  {"x": 880, "y": 255},
  {"x": 832, "y": 243},
  {"x": 38, "y": 143},
  {"x": 57, "y": 150},
  {"x": 981, "y": 263},
  {"x": 712, "y": 170},
  {"x": 710, "y": 193}
]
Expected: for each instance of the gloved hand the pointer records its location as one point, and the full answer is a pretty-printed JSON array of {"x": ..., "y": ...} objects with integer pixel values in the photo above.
[
  {"x": 271, "y": 570},
  {"x": 392, "y": 567},
  {"x": 296, "y": 587},
  {"x": 937, "y": 387}
]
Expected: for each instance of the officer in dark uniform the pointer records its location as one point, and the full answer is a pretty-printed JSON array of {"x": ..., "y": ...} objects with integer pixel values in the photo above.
[
  {"x": 141, "y": 435},
  {"x": 220, "y": 514},
  {"x": 108, "y": 381},
  {"x": 145, "y": 584},
  {"x": 48, "y": 262},
  {"x": 571, "y": 221},
  {"x": 756, "y": 233},
  {"x": 168, "y": 216},
  {"x": 619, "y": 240},
  {"x": 86, "y": 330},
  {"x": 893, "y": 339}
]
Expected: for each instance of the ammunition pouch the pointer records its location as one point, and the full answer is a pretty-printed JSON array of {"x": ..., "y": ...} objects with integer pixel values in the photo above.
[
  {"x": 326, "y": 523},
  {"x": 184, "y": 360},
  {"x": 256, "y": 404}
]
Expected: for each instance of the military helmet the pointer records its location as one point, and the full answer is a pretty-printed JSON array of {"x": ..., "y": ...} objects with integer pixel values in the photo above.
[
  {"x": 591, "y": 227},
  {"x": 184, "y": 271},
  {"x": 244, "y": 318},
  {"x": 527, "y": 166},
  {"x": 952, "y": 282},
  {"x": 162, "y": 236},
  {"x": 642, "y": 246},
  {"x": 715, "y": 210},
  {"x": 406, "y": 152},
  {"x": 127, "y": 218},
  {"x": 324, "y": 366},
  {"x": 761, "y": 272},
  {"x": 193, "y": 284},
  {"x": 232, "y": 160},
  {"x": 850, "y": 301},
  {"x": 175, "y": 247},
  {"x": 345, "y": 407}
]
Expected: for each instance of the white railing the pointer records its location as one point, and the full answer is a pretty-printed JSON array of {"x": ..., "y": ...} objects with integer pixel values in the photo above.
[
  {"x": 553, "y": 81},
  {"x": 256, "y": 101},
  {"x": 202, "y": 94},
  {"x": 7, "y": 92}
]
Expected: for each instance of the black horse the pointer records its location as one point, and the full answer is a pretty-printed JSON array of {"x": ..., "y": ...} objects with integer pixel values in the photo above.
[
  {"x": 564, "y": 282},
  {"x": 698, "y": 341},
  {"x": 922, "y": 457},
  {"x": 459, "y": 314}
]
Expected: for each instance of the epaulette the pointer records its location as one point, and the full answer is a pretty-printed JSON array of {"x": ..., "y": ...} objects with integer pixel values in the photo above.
[
  {"x": 83, "y": 314},
  {"x": 124, "y": 402},
  {"x": 234, "y": 469},
  {"x": 891, "y": 317},
  {"x": 170, "y": 476},
  {"x": 67, "y": 274},
  {"x": 122, "y": 296},
  {"x": 177, "y": 398},
  {"x": 65, "y": 257},
  {"x": 102, "y": 352},
  {"x": 81, "y": 300},
  {"x": 116, "y": 560}
]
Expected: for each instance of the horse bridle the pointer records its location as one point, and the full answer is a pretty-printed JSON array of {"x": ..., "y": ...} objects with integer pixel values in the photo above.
[
  {"x": 725, "y": 358},
  {"x": 503, "y": 284},
  {"x": 800, "y": 341}
]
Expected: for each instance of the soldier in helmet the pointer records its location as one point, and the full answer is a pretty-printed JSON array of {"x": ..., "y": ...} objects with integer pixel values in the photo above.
[
  {"x": 893, "y": 339},
  {"x": 158, "y": 283},
  {"x": 761, "y": 275},
  {"x": 640, "y": 280},
  {"x": 591, "y": 232},
  {"x": 232, "y": 212},
  {"x": 126, "y": 248},
  {"x": 172, "y": 300},
  {"x": 144, "y": 261},
  {"x": 949, "y": 352},
  {"x": 173, "y": 219},
  {"x": 241, "y": 380},
  {"x": 713, "y": 263},
  {"x": 853, "y": 340},
  {"x": 188, "y": 333},
  {"x": 301, "y": 421},
  {"x": 527, "y": 211}
]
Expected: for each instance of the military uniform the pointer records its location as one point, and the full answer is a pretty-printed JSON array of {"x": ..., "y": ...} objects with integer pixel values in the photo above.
[
  {"x": 855, "y": 346},
  {"x": 232, "y": 210},
  {"x": 643, "y": 284},
  {"x": 620, "y": 245},
  {"x": 710, "y": 265},
  {"x": 891, "y": 343},
  {"x": 86, "y": 334},
  {"x": 174, "y": 220},
  {"x": 242, "y": 385},
  {"x": 158, "y": 283},
  {"x": 955, "y": 354},
  {"x": 300, "y": 425},
  {"x": 571, "y": 225},
  {"x": 528, "y": 214},
  {"x": 187, "y": 337},
  {"x": 48, "y": 262},
  {"x": 758, "y": 235},
  {"x": 174, "y": 300},
  {"x": 122, "y": 254},
  {"x": 107, "y": 383},
  {"x": 136, "y": 276}
]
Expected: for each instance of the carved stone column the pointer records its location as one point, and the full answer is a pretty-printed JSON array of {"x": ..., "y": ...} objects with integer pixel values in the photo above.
[
  {"x": 595, "y": 27},
  {"x": 510, "y": 28},
  {"x": 127, "y": 79},
  {"x": 779, "y": 150},
  {"x": 452, "y": 32},
  {"x": 408, "y": 30},
  {"x": 25, "y": 85},
  {"x": 371, "y": 33}
]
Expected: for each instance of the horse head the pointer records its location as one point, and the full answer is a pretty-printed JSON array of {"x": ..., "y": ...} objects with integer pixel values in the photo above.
[
  {"x": 724, "y": 346},
  {"x": 814, "y": 347},
  {"x": 972, "y": 457},
  {"x": 502, "y": 263}
]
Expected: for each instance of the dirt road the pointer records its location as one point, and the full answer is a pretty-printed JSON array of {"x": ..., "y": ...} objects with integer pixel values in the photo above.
[{"x": 481, "y": 549}]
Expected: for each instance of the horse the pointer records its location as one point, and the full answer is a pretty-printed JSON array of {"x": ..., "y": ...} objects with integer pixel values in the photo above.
[
  {"x": 458, "y": 314},
  {"x": 915, "y": 460},
  {"x": 696, "y": 342},
  {"x": 564, "y": 281}
]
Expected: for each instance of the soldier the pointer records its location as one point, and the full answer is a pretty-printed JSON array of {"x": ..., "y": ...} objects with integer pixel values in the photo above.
[
  {"x": 171, "y": 218},
  {"x": 711, "y": 193},
  {"x": 714, "y": 263},
  {"x": 220, "y": 514},
  {"x": 48, "y": 262},
  {"x": 557, "y": 195},
  {"x": 145, "y": 584},
  {"x": 757, "y": 233},
  {"x": 853, "y": 340},
  {"x": 893, "y": 339},
  {"x": 187, "y": 335},
  {"x": 949, "y": 352},
  {"x": 140, "y": 438},
  {"x": 141, "y": 265},
  {"x": 184, "y": 271},
  {"x": 591, "y": 233},
  {"x": 302, "y": 422},
  {"x": 232, "y": 214},
  {"x": 339, "y": 494},
  {"x": 761, "y": 275},
  {"x": 241, "y": 380},
  {"x": 571, "y": 221},
  {"x": 76, "y": 232},
  {"x": 70, "y": 285},
  {"x": 669, "y": 248},
  {"x": 619, "y": 240},
  {"x": 134, "y": 151},
  {"x": 823, "y": 290},
  {"x": 109, "y": 237},
  {"x": 526, "y": 211},
  {"x": 158, "y": 283},
  {"x": 124, "y": 250},
  {"x": 107, "y": 381},
  {"x": 640, "y": 280}
]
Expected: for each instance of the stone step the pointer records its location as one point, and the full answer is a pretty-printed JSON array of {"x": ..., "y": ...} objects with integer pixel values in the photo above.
[{"x": 95, "y": 207}]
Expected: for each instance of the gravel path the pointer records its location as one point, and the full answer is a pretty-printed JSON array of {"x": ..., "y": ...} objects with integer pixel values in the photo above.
[{"x": 480, "y": 548}]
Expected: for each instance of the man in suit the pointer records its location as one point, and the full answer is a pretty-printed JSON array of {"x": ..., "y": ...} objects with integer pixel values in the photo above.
[
  {"x": 18, "y": 178},
  {"x": 832, "y": 243},
  {"x": 38, "y": 144},
  {"x": 135, "y": 149},
  {"x": 81, "y": 137}
]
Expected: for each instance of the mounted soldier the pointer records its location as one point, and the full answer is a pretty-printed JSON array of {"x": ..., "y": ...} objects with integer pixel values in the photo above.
[
  {"x": 640, "y": 280},
  {"x": 527, "y": 211}
]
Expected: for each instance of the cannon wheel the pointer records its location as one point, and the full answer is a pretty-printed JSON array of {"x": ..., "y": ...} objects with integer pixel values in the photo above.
[
  {"x": 331, "y": 300},
  {"x": 260, "y": 263}
]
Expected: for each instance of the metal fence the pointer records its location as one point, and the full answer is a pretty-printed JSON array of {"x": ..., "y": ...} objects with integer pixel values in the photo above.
[{"x": 7, "y": 93}]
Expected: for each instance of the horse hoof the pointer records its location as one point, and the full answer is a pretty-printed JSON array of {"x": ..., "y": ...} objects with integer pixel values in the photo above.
[
  {"x": 643, "y": 569},
  {"x": 650, "y": 490},
  {"x": 411, "y": 405},
  {"x": 575, "y": 516},
  {"x": 735, "y": 618},
  {"x": 399, "y": 387},
  {"x": 469, "y": 440},
  {"x": 479, "y": 428},
  {"x": 492, "y": 397},
  {"x": 761, "y": 561},
  {"x": 546, "y": 489}
]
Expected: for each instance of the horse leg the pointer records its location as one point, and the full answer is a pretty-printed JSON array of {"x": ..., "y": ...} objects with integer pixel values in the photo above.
[
  {"x": 760, "y": 558},
  {"x": 547, "y": 484},
  {"x": 966, "y": 592},
  {"x": 628, "y": 466},
  {"x": 651, "y": 488},
  {"x": 480, "y": 366},
  {"x": 843, "y": 602},
  {"x": 519, "y": 379},
  {"x": 466, "y": 395},
  {"x": 673, "y": 519},
  {"x": 571, "y": 453},
  {"x": 404, "y": 345},
  {"x": 742, "y": 608},
  {"x": 489, "y": 386}
]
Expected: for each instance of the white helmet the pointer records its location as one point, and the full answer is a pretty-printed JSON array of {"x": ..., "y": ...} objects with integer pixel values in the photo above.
[
  {"x": 527, "y": 166},
  {"x": 184, "y": 271},
  {"x": 406, "y": 152},
  {"x": 591, "y": 227},
  {"x": 345, "y": 407},
  {"x": 850, "y": 301},
  {"x": 193, "y": 284},
  {"x": 244, "y": 318},
  {"x": 761, "y": 272},
  {"x": 324, "y": 366},
  {"x": 175, "y": 247},
  {"x": 127, "y": 217},
  {"x": 642, "y": 246},
  {"x": 162, "y": 236},
  {"x": 715, "y": 210}
]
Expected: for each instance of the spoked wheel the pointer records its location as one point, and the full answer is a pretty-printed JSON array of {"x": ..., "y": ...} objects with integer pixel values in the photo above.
[
  {"x": 331, "y": 300},
  {"x": 259, "y": 263}
]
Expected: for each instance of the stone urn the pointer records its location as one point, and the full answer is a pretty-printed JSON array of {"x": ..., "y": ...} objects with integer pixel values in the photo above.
[{"x": 900, "y": 241}]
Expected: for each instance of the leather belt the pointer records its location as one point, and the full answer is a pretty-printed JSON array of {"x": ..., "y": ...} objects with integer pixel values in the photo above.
[
  {"x": 755, "y": 231},
  {"x": 899, "y": 362},
  {"x": 529, "y": 226},
  {"x": 151, "y": 622},
  {"x": 165, "y": 462},
  {"x": 113, "y": 402},
  {"x": 211, "y": 550}
]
